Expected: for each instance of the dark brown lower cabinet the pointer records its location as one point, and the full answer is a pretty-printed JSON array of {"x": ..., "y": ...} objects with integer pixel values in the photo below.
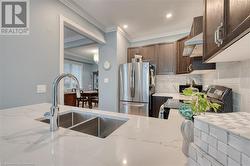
[{"x": 156, "y": 102}]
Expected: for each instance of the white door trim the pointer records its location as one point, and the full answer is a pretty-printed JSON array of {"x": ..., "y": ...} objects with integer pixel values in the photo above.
[{"x": 80, "y": 29}]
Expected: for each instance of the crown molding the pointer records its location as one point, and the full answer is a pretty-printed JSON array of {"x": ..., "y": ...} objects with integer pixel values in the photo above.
[
  {"x": 123, "y": 33},
  {"x": 69, "y": 53},
  {"x": 81, "y": 12},
  {"x": 119, "y": 30},
  {"x": 73, "y": 38},
  {"x": 157, "y": 36},
  {"x": 111, "y": 29},
  {"x": 78, "y": 43}
]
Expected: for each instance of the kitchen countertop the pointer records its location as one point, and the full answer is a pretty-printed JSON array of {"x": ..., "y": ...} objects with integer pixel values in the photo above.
[
  {"x": 236, "y": 123},
  {"x": 85, "y": 91},
  {"x": 141, "y": 141},
  {"x": 176, "y": 96}
]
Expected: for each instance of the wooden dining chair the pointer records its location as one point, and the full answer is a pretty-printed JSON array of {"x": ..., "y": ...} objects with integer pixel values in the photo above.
[
  {"x": 95, "y": 100},
  {"x": 83, "y": 99}
]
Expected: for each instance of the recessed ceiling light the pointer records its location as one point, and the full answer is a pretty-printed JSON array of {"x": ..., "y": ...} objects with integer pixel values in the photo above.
[
  {"x": 124, "y": 162},
  {"x": 169, "y": 15},
  {"x": 95, "y": 51},
  {"x": 125, "y": 26}
]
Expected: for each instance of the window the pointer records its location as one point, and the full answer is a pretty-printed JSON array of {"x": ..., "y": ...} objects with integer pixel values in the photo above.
[{"x": 73, "y": 68}]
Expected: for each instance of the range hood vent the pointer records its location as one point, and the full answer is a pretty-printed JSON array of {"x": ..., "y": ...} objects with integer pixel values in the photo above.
[
  {"x": 194, "y": 49},
  {"x": 194, "y": 46},
  {"x": 196, "y": 40},
  {"x": 198, "y": 67}
]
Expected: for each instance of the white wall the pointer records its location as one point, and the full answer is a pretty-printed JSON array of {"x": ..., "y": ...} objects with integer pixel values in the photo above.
[
  {"x": 114, "y": 51},
  {"x": 34, "y": 59},
  {"x": 1, "y": 78},
  {"x": 108, "y": 91},
  {"x": 170, "y": 83},
  {"x": 235, "y": 75},
  {"x": 122, "y": 47}
]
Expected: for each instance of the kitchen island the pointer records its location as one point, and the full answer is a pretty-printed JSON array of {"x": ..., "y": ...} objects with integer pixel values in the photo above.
[
  {"x": 221, "y": 140},
  {"x": 141, "y": 141}
]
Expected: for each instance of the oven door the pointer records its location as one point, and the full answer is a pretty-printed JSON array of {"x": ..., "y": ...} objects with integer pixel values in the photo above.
[{"x": 134, "y": 108}]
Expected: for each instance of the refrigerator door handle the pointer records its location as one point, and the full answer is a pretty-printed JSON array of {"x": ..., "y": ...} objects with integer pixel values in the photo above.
[
  {"x": 134, "y": 104},
  {"x": 134, "y": 108},
  {"x": 132, "y": 85}
]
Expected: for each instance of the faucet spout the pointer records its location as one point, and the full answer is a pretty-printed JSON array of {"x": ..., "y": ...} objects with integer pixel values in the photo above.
[{"x": 54, "y": 110}]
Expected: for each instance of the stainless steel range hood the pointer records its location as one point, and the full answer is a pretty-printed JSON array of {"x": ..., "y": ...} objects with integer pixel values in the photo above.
[{"x": 194, "y": 46}]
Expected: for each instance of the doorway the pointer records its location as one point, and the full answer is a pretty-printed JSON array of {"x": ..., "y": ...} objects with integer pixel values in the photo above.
[{"x": 79, "y": 55}]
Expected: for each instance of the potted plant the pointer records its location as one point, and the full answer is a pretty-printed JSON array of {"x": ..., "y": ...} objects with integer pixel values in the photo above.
[{"x": 198, "y": 104}]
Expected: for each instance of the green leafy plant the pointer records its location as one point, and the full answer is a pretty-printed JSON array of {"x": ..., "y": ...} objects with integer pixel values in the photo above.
[{"x": 199, "y": 103}]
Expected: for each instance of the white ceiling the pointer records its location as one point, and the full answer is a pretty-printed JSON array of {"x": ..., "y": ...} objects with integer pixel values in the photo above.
[
  {"x": 84, "y": 52},
  {"x": 145, "y": 18}
]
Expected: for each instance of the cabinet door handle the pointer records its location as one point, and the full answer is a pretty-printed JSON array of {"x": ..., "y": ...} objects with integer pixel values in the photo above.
[
  {"x": 190, "y": 67},
  {"x": 215, "y": 37},
  {"x": 220, "y": 31}
]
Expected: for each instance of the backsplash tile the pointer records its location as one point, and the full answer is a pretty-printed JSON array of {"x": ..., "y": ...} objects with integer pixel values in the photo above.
[
  {"x": 235, "y": 75},
  {"x": 170, "y": 83}
]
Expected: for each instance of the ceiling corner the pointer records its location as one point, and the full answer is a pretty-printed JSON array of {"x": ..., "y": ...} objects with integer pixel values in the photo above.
[{"x": 81, "y": 12}]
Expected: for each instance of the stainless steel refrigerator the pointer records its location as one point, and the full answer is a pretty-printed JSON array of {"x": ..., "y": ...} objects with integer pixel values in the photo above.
[{"x": 137, "y": 83}]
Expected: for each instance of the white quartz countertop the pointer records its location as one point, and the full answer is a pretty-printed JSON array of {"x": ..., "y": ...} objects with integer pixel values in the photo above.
[
  {"x": 141, "y": 141},
  {"x": 176, "y": 96},
  {"x": 237, "y": 123}
]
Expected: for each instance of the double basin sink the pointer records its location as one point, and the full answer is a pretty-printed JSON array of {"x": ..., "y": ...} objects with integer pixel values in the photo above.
[{"x": 88, "y": 123}]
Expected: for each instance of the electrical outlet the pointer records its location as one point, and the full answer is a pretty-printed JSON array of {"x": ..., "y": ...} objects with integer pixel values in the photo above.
[{"x": 41, "y": 89}]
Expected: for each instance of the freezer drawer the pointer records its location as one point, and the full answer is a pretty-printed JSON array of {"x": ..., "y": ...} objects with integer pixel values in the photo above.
[{"x": 134, "y": 108}]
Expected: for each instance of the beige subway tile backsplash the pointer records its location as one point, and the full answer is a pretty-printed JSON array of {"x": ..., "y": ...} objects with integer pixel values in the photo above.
[
  {"x": 235, "y": 75},
  {"x": 170, "y": 83}
]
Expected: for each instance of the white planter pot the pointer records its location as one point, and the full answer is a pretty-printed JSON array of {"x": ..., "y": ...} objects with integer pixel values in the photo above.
[{"x": 187, "y": 131}]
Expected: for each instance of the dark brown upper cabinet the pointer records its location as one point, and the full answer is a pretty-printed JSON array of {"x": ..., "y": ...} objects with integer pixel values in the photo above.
[
  {"x": 182, "y": 62},
  {"x": 166, "y": 58},
  {"x": 237, "y": 19},
  {"x": 162, "y": 55},
  {"x": 132, "y": 52},
  {"x": 225, "y": 22},
  {"x": 213, "y": 21},
  {"x": 148, "y": 53}
]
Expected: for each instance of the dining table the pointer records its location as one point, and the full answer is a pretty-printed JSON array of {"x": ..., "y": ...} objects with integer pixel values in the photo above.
[
  {"x": 71, "y": 99},
  {"x": 89, "y": 95}
]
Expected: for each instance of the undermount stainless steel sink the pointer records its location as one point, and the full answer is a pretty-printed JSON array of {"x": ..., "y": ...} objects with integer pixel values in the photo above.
[
  {"x": 99, "y": 126},
  {"x": 70, "y": 119},
  {"x": 88, "y": 123}
]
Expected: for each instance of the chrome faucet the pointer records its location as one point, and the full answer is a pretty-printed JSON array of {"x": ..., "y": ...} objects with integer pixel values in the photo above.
[{"x": 54, "y": 110}]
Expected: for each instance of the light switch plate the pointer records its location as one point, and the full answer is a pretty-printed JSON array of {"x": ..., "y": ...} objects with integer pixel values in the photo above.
[
  {"x": 106, "y": 80},
  {"x": 41, "y": 89}
]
